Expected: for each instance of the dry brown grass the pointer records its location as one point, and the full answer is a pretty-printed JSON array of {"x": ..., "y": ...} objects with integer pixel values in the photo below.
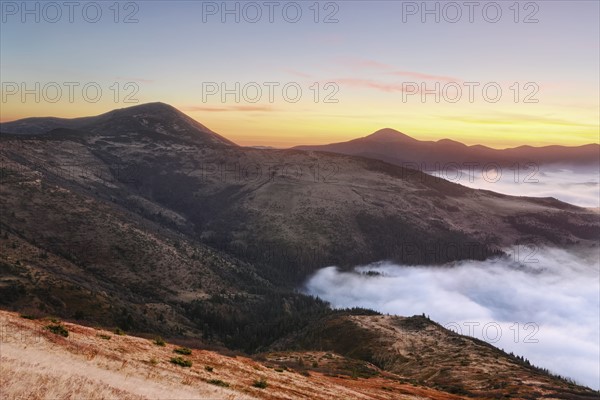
[{"x": 36, "y": 364}]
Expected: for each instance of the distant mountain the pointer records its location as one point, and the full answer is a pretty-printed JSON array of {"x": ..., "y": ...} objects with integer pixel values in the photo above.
[
  {"x": 395, "y": 147},
  {"x": 151, "y": 118},
  {"x": 388, "y": 135}
]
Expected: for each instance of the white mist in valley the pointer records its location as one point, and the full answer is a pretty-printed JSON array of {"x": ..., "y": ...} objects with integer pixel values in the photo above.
[
  {"x": 579, "y": 186},
  {"x": 545, "y": 307}
]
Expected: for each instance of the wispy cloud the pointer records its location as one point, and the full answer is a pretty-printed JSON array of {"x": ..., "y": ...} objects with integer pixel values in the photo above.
[
  {"x": 239, "y": 108},
  {"x": 501, "y": 118},
  {"x": 297, "y": 73},
  {"x": 394, "y": 71},
  {"x": 385, "y": 72},
  {"x": 371, "y": 84},
  {"x": 426, "y": 77}
]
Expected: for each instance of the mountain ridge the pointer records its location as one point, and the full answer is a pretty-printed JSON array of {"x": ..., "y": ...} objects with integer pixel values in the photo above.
[{"x": 401, "y": 149}]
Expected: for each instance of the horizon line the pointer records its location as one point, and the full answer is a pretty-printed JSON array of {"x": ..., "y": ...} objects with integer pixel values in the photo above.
[{"x": 300, "y": 145}]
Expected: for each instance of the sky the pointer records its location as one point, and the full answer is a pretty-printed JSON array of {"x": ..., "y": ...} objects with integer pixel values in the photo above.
[{"x": 284, "y": 73}]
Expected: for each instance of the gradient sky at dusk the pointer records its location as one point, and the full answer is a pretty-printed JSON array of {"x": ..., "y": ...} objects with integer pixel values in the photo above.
[{"x": 369, "y": 54}]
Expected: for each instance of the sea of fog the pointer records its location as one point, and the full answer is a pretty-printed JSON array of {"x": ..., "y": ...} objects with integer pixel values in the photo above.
[
  {"x": 580, "y": 186},
  {"x": 545, "y": 307}
]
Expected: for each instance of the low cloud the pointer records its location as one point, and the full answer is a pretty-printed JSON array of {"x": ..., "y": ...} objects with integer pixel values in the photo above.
[
  {"x": 545, "y": 307},
  {"x": 578, "y": 186}
]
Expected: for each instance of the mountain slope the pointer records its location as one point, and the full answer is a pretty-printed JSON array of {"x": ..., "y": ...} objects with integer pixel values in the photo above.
[
  {"x": 287, "y": 211},
  {"x": 397, "y": 148},
  {"x": 96, "y": 363},
  {"x": 291, "y": 212},
  {"x": 175, "y": 233},
  {"x": 420, "y": 350}
]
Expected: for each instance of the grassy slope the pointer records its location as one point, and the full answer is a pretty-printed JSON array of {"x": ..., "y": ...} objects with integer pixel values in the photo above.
[
  {"x": 422, "y": 351},
  {"x": 93, "y": 363}
]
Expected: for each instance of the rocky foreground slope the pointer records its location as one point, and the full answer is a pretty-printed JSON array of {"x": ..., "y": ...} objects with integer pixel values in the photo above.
[
  {"x": 38, "y": 362},
  {"x": 94, "y": 363}
]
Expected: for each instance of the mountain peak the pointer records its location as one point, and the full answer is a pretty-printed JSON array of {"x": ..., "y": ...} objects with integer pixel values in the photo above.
[
  {"x": 149, "y": 107},
  {"x": 156, "y": 117},
  {"x": 389, "y": 135},
  {"x": 451, "y": 143}
]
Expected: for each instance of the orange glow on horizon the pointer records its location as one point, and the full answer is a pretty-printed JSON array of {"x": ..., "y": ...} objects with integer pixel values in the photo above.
[{"x": 286, "y": 128}]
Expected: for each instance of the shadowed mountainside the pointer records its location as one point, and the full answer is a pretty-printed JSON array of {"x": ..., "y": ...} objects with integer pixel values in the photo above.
[{"x": 285, "y": 210}]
